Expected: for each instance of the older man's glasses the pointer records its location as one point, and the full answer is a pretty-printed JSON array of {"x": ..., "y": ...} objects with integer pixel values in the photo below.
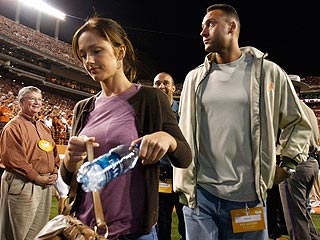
[{"x": 34, "y": 99}]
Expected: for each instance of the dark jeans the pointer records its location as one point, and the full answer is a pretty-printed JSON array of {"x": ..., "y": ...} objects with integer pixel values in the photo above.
[
  {"x": 211, "y": 219},
  {"x": 150, "y": 236},
  {"x": 167, "y": 201}
]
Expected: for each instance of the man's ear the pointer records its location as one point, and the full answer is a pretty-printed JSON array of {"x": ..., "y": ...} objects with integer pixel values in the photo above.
[
  {"x": 173, "y": 88},
  {"x": 232, "y": 26}
]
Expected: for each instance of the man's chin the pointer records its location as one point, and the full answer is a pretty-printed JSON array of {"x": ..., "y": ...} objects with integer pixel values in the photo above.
[{"x": 207, "y": 48}]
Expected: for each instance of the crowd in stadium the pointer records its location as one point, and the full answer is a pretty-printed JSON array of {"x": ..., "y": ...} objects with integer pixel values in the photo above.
[
  {"x": 44, "y": 43},
  {"x": 38, "y": 40}
]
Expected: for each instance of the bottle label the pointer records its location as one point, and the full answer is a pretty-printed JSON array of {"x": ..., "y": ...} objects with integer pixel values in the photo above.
[{"x": 111, "y": 165}]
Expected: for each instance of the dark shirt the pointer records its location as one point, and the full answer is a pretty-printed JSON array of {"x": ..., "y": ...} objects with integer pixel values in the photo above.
[{"x": 166, "y": 170}]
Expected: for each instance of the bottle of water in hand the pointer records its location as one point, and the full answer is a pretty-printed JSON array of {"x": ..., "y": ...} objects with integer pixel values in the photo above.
[{"x": 97, "y": 173}]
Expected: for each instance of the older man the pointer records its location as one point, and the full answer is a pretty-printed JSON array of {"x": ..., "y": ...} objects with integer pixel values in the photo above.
[{"x": 31, "y": 159}]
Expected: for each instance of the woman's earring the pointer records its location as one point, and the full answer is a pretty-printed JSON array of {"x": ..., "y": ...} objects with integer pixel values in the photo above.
[{"x": 118, "y": 65}]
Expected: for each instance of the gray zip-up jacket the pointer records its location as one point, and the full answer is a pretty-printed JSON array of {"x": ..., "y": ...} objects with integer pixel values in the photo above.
[{"x": 273, "y": 105}]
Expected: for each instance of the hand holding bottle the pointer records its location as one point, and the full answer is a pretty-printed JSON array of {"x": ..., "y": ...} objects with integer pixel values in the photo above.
[
  {"x": 150, "y": 148},
  {"x": 154, "y": 146},
  {"x": 94, "y": 175}
]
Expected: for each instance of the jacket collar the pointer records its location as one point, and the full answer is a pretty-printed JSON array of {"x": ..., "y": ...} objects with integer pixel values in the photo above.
[{"x": 27, "y": 117}]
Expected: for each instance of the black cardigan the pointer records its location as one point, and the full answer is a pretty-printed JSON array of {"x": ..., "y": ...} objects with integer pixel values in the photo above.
[{"x": 152, "y": 113}]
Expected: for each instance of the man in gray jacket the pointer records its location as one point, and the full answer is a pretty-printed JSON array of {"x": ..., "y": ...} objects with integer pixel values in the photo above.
[
  {"x": 231, "y": 108},
  {"x": 294, "y": 191}
]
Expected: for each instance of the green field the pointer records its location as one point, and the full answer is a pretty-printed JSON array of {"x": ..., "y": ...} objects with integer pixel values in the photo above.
[{"x": 175, "y": 235}]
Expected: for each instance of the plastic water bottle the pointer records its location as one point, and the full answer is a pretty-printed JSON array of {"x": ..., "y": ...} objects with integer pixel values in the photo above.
[{"x": 97, "y": 173}]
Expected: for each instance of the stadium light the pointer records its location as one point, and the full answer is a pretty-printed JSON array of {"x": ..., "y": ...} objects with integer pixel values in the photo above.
[{"x": 44, "y": 7}]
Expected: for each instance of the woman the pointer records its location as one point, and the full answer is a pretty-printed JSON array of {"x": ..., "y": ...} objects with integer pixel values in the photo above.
[
  {"x": 122, "y": 113},
  {"x": 31, "y": 160}
]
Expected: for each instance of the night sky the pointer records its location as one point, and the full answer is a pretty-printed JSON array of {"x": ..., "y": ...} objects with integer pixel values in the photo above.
[{"x": 166, "y": 36}]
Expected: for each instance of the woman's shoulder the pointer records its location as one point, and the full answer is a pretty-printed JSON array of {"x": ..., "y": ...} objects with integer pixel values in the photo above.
[
  {"x": 149, "y": 95},
  {"x": 85, "y": 101},
  {"x": 150, "y": 90}
]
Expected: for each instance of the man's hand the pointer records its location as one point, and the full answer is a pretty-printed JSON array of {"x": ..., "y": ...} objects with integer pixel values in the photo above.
[
  {"x": 280, "y": 175},
  {"x": 46, "y": 180}
]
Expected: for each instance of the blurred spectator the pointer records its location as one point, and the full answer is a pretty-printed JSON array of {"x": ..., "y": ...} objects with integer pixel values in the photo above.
[
  {"x": 4, "y": 113},
  {"x": 295, "y": 190}
]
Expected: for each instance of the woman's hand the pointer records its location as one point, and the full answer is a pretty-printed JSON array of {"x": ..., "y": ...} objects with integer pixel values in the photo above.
[
  {"x": 77, "y": 151},
  {"x": 154, "y": 146}
]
